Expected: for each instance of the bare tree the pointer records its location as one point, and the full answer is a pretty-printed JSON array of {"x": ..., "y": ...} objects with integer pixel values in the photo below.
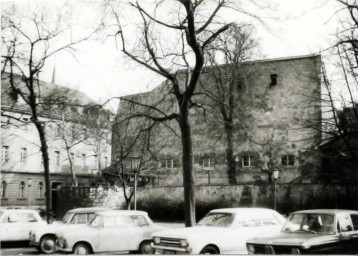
[
  {"x": 223, "y": 79},
  {"x": 29, "y": 40},
  {"x": 185, "y": 22}
]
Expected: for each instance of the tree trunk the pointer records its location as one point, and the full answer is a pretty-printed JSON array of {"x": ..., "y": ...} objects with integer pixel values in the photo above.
[
  {"x": 188, "y": 175},
  {"x": 44, "y": 150},
  {"x": 231, "y": 166}
]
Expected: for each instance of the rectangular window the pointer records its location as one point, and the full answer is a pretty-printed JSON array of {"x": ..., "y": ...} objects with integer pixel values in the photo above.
[
  {"x": 247, "y": 161},
  {"x": 83, "y": 162},
  {"x": 208, "y": 162},
  {"x": 5, "y": 154},
  {"x": 23, "y": 155},
  {"x": 288, "y": 160},
  {"x": 355, "y": 221},
  {"x": 57, "y": 158},
  {"x": 273, "y": 79},
  {"x": 169, "y": 163}
]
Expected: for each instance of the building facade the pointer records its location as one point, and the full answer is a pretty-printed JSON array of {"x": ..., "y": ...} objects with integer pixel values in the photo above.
[
  {"x": 277, "y": 124},
  {"x": 70, "y": 135}
]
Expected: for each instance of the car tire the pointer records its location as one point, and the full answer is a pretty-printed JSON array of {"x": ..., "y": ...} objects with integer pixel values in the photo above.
[
  {"x": 146, "y": 248},
  {"x": 209, "y": 250},
  {"x": 48, "y": 244},
  {"x": 82, "y": 249}
]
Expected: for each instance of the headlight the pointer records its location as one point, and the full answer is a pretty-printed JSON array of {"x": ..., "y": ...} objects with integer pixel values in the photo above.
[
  {"x": 183, "y": 243},
  {"x": 250, "y": 248},
  {"x": 295, "y": 251},
  {"x": 156, "y": 240}
]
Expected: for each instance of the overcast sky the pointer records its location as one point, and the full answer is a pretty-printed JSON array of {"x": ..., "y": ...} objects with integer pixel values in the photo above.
[{"x": 101, "y": 71}]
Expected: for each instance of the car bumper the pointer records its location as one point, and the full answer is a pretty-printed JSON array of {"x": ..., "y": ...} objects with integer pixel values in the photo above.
[
  {"x": 67, "y": 250},
  {"x": 171, "y": 250},
  {"x": 34, "y": 243}
]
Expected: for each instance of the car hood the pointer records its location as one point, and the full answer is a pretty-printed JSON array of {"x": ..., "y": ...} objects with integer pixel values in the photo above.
[
  {"x": 186, "y": 233},
  {"x": 304, "y": 239}
]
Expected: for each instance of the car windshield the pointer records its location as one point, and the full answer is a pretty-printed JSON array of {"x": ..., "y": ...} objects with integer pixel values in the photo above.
[
  {"x": 67, "y": 218},
  {"x": 310, "y": 222},
  {"x": 96, "y": 222},
  {"x": 217, "y": 220}
]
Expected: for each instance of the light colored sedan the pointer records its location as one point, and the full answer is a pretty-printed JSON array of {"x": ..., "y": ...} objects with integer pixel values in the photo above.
[
  {"x": 17, "y": 223},
  {"x": 109, "y": 232},
  {"x": 44, "y": 238},
  {"x": 221, "y": 231}
]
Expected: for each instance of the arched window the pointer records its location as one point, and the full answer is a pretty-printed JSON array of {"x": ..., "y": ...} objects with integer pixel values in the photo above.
[
  {"x": 40, "y": 191},
  {"x": 22, "y": 189},
  {"x": 3, "y": 189}
]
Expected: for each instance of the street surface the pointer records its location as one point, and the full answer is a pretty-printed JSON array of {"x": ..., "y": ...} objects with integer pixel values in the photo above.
[{"x": 24, "y": 249}]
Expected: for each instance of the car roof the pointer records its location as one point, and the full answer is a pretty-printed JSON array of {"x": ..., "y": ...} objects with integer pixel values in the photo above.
[
  {"x": 242, "y": 210},
  {"x": 327, "y": 211},
  {"x": 122, "y": 212},
  {"x": 89, "y": 209},
  {"x": 18, "y": 210}
]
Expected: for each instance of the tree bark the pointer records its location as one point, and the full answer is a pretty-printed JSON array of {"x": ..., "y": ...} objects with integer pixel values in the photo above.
[
  {"x": 231, "y": 166},
  {"x": 44, "y": 149},
  {"x": 188, "y": 175}
]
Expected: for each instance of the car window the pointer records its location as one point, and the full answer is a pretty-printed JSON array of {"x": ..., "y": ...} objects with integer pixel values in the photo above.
[
  {"x": 81, "y": 218},
  {"x": 97, "y": 220},
  {"x": 67, "y": 217},
  {"x": 27, "y": 217},
  {"x": 217, "y": 220},
  {"x": 270, "y": 221},
  {"x": 355, "y": 221},
  {"x": 345, "y": 223},
  {"x": 74, "y": 219},
  {"x": 137, "y": 221},
  {"x": 310, "y": 222},
  {"x": 109, "y": 221},
  {"x": 91, "y": 217},
  {"x": 249, "y": 222}
]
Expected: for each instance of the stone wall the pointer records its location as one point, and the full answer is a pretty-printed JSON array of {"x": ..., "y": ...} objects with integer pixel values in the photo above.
[
  {"x": 166, "y": 203},
  {"x": 271, "y": 122}
]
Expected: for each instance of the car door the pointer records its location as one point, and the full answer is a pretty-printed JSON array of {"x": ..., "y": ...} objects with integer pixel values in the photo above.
[
  {"x": 348, "y": 235},
  {"x": 27, "y": 222},
  {"x": 245, "y": 227},
  {"x": 10, "y": 227}
]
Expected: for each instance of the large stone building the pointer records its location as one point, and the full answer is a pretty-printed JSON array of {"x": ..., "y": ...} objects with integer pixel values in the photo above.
[
  {"x": 277, "y": 124},
  {"x": 74, "y": 129}
]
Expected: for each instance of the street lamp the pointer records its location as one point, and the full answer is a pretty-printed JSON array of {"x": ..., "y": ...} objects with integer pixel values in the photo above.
[
  {"x": 29, "y": 183},
  {"x": 275, "y": 178},
  {"x": 135, "y": 160}
]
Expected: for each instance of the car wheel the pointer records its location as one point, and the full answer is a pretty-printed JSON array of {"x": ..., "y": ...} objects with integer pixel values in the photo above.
[
  {"x": 48, "y": 244},
  {"x": 146, "y": 248},
  {"x": 210, "y": 250},
  {"x": 82, "y": 249}
]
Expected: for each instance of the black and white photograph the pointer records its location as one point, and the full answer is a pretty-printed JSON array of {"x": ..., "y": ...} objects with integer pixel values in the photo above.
[{"x": 179, "y": 127}]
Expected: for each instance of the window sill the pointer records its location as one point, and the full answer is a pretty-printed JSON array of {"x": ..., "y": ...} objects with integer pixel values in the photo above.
[
  {"x": 22, "y": 199},
  {"x": 40, "y": 199}
]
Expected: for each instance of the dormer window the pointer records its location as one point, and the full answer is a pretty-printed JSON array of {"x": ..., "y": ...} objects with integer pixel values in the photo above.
[{"x": 273, "y": 79}]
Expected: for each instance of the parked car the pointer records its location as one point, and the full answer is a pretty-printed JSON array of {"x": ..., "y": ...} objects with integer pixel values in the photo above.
[
  {"x": 16, "y": 224},
  {"x": 44, "y": 238},
  {"x": 221, "y": 231},
  {"x": 312, "y": 232},
  {"x": 109, "y": 232}
]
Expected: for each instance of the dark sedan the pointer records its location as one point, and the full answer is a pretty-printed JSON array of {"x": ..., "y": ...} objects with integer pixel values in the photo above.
[{"x": 312, "y": 232}]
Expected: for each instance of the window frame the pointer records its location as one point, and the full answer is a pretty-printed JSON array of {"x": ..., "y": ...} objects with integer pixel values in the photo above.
[
  {"x": 83, "y": 161},
  {"x": 40, "y": 190},
  {"x": 250, "y": 160},
  {"x": 23, "y": 155},
  {"x": 57, "y": 158},
  {"x": 288, "y": 160},
  {"x": 21, "y": 190},
  {"x": 5, "y": 153},
  {"x": 209, "y": 164},
  {"x": 3, "y": 189}
]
